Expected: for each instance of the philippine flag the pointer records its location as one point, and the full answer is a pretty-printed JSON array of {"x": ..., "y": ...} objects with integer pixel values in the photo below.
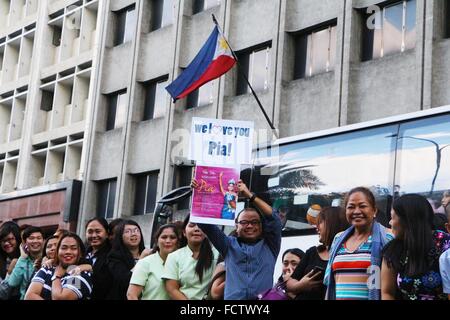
[{"x": 214, "y": 59}]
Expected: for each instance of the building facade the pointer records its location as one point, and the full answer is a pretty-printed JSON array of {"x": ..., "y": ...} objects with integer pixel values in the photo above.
[{"x": 82, "y": 93}]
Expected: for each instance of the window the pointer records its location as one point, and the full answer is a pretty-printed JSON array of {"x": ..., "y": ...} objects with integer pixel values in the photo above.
[
  {"x": 56, "y": 38},
  {"x": 162, "y": 14},
  {"x": 202, "y": 5},
  {"x": 446, "y": 19},
  {"x": 423, "y": 164},
  {"x": 125, "y": 25},
  {"x": 182, "y": 177},
  {"x": 390, "y": 30},
  {"x": 145, "y": 193},
  {"x": 106, "y": 197},
  {"x": 116, "y": 116},
  {"x": 155, "y": 98},
  {"x": 202, "y": 96},
  {"x": 2, "y": 165},
  {"x": 320, "y": 171},
  {"x": 315, "y": 52},
  {"x": 255, "y": 65},
  {"x": 47, "y": 100}
]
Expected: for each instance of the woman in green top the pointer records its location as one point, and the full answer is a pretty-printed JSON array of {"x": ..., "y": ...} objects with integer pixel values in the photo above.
[
  {"x": 146, "y": 282},
  {"x": 188, "y": 271}
]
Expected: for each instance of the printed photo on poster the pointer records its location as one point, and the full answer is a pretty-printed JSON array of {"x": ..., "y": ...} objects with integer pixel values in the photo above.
[{"x": 214, "y": 201}]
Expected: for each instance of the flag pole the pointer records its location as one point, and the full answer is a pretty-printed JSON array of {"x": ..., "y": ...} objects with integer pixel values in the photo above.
[{"x": 246, "y": 79}]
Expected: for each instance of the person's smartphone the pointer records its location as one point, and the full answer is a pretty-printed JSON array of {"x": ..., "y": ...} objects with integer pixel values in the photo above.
[{"x": 317, "y": 269}]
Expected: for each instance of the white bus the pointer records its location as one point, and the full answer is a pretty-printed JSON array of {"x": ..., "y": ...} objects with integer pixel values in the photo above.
[{"x": 392, "y": 156}]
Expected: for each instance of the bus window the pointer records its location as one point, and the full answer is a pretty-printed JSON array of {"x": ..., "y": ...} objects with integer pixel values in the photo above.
[
  {"x": 423, "y": 159},
  {"x": 304, "y": 176}
]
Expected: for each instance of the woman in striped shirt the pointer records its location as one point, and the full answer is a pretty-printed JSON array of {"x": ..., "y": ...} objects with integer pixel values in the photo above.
[
  {"x": 353, "y": 270},
  {"x": 56, "y": 283}
]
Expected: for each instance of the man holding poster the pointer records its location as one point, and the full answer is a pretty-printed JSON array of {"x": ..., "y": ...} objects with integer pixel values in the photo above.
[
  {"x": 219, "y": 147},
  {"x": 250, "y": 256}
]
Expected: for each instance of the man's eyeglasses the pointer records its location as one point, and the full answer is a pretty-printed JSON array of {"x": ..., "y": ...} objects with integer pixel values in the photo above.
[{"x": 245, "y": 223}]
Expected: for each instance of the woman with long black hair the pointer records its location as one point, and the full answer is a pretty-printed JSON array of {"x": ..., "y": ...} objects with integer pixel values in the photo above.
[
  {"x": 9, "y": 254},
  {"x": 146, "y": 282},
  {"x": 128, "y": 245},
  {"x": 9, "y": 246},
  {"x": 97, "y": 253},
  {"x": 188, "y": 270},
  {"x": 410, "y": 269},
  {"x": 306, "y": 283}
]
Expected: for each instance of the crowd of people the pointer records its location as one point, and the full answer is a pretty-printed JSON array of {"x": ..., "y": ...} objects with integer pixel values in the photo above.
[{"x": 357, "y": 258}]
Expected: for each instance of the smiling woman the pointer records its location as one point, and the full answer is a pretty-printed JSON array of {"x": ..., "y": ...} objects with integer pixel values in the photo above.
[
  {"x": 55, "y": 283},
  {"x": 9, "y": 245},
  {"x": 357, "y": 249},
  {"x": 98, "y": 250}
]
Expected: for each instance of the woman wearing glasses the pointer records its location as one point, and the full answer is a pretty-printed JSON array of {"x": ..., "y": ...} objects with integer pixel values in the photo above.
[
  {"x": 9, "y": 254},
  {"x": 9, "y": 249},
  {"x": 128, "y": 245}
]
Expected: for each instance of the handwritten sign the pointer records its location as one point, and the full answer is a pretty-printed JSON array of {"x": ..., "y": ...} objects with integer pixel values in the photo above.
[{"x": 221, "y": 142}]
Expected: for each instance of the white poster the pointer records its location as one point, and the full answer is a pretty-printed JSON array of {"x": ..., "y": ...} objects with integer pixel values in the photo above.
[{"x": 221, "y": 142}]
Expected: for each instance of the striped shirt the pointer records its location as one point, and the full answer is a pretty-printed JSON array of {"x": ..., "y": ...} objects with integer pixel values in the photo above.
[
  {"x": 350, "y": 272},
  {"x": 81, "y": 285}
]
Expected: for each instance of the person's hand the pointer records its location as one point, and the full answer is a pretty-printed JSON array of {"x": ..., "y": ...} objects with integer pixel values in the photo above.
[
  {"x": 194, "y": 184},
  {"x": 12, "y": 264},
  {"x": 77, "y": 270},
  {"x": 243, "y": 190},
  {"x": 146, "y": 252},
  {"x": 221, "y": 174},
  {"x": 310, "y": 281},
  {"x": 47, "y": 263},
  {"x": 23, "y": 250},
  {"x": 60, "y": 271},
  {"x": 37, "y": 264},
  {"x": 288, "y": 274}
]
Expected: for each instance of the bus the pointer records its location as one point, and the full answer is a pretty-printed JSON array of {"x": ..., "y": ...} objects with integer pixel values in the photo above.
[{"x": 299, "y": 175}]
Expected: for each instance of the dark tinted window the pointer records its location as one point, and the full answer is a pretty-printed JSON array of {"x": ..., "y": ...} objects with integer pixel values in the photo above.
[
  {"x": 105, "y": 198},
  {"x": 145, "y": 192},
  {"x": 125, "y": 25}
]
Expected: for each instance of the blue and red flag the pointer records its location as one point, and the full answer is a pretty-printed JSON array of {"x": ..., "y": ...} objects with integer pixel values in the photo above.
[{"x": 214, "y": 59}]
